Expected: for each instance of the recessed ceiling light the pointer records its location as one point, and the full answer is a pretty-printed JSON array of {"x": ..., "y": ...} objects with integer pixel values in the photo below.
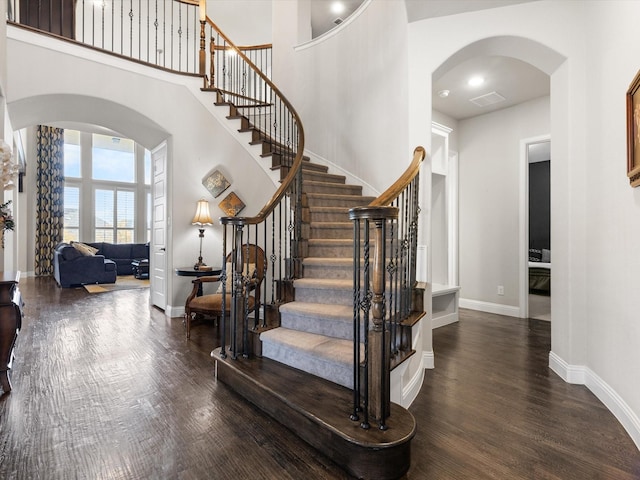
[
  {"x": 475, "y": 81},
  {"x": 443, "y": 93},
  {"x": 337, "y": 8}
]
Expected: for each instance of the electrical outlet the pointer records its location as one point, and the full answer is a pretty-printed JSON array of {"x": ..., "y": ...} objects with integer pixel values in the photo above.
[{"x": 500, "y": 290}]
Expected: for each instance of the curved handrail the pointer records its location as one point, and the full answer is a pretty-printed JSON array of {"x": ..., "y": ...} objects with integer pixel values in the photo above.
[
  {"x": 390, "y": 194},
  {"x": 297, "y": 163}
]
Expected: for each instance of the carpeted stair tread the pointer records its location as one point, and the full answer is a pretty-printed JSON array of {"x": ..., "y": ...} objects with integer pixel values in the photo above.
[
  {"x": 334, "y": 291},
  {"x": 330, "y": 262},
  {"x": 337, "y": 242},
  {"x": 313, "y": 310},
  {"x": 322, "y": 177},
  {"x": 324, "y": 283},
  {"x": 328, "y": 267},
  {"x": 325, "y": 357},
  {"x": 320, "y": 318},
  {"x": 337, "y": 200}
]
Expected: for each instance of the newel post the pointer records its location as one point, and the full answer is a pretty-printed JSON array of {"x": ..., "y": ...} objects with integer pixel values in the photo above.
[{"x": 378, "y": 344}]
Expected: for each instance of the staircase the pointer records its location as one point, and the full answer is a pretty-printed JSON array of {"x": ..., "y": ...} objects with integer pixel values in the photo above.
[
  {"x": 303, "y": 375},
  {"x": 316, "y": 329}
]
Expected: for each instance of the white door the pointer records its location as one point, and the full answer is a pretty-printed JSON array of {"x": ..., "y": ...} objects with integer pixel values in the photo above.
[{"x": 158, "y": 261}]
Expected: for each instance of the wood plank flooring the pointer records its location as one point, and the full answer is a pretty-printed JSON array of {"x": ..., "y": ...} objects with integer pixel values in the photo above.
[{"x": 106, "y": 387}]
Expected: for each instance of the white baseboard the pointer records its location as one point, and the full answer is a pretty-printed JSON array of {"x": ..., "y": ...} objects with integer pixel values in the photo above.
[
  {"x": 173, "y": 312},
  {"x": 569, "y": 373},
  {"x": 428, "y": 360},
  {"x": 496, "y": 308},
  {"x": 582, "y": 375},
  {"x": 443, "y": 320},
  {"x": 412, "y": 388}
]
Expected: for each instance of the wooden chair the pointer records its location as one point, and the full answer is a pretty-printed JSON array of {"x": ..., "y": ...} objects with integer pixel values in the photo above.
[{"x": 210, "y": 305}]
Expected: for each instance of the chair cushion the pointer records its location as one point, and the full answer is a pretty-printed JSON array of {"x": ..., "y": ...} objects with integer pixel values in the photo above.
[{"x": 213, "y": 303}]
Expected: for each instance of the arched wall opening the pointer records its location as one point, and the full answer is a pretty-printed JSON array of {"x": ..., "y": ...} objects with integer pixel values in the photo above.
[
  {"x": 554, "y": 64},
  {"x": 492, "y": 246},
  {"x": 98, "y": 115}
]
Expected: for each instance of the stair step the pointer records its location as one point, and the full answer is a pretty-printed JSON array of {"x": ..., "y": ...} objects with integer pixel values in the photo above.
[
  {"x": 331, "y": 230},
  {"x": 329, "y": 267},
  {"x": 315, "y": 199},
  {"x": 318, "y": 412},
  {"x": 330, "y": 247},
  {"x": 337, "y": 291},
  {"x": 329, "y": 214},
  {"x": 322, "y": 356},
  {"x": 319, "y": 318},
  {"x": 310, "y": 186},
  {"x": 308, "y": 175},
  {"x": 315, "y": 167}
]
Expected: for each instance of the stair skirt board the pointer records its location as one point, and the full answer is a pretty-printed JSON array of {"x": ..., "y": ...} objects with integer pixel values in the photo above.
[{"x": 318, "y": 412}]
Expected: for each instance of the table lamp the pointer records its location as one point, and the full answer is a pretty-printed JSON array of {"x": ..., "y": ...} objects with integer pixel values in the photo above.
[{"x": 201, "y": 218}]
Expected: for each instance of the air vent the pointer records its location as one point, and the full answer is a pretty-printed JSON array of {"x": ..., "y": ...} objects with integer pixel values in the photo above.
[
  {"x": 488, "y": 99},
  {"x": 338, "y": 21}
]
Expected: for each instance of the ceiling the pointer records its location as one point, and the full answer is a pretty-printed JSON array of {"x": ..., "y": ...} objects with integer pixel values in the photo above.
[
  {"x": 514, "y": 82},
  {"x": 509, "y": 78},
  {"x": 324, "y": 19}
]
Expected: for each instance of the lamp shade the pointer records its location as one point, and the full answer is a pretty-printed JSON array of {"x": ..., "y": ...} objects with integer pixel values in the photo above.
[{"x": 202, "y": 216}]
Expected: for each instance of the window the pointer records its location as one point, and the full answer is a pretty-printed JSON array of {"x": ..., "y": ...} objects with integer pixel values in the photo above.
[
  {"x": 71, "y": 214},
  {"x": 114, "y": 216},
  {"x": 103, "y": 201},
  {"x": 113, "y": 159},
  {"x": 72, "y": 154}
]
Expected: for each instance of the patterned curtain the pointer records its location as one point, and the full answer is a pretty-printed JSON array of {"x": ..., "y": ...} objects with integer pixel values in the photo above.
[{"x": 50, "y": 189}]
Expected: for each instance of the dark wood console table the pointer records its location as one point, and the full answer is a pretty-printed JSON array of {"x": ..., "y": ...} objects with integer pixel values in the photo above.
[
  {"x": 192, "y": 272},
  {"x": 10, "y": 323}
]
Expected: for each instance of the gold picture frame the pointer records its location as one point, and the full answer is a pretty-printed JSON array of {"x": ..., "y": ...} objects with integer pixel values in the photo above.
[
  {"x": 633, "y": 131},
  {"x": 232, "y": 205}
]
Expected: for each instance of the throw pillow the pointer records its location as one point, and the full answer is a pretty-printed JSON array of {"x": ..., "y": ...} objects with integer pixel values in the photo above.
[
  {"x": 84, "y": 249},
  {"x": 535, "y": 255},
  {"x": 69, "y": 253},
  {"x": 546, "y": 255},
  {"x": 248, "y": 270}
]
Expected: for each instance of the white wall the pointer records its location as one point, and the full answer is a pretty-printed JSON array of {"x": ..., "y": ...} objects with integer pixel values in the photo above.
[
  {"x": 489, "y": 199},
  {"x": 612, "y": 208},
  {"x": 350, "y": 89},
  {"x": 148, "y": 106},
  {"x": 595, "y": 214},
  {"x": 245, "y": 22}
]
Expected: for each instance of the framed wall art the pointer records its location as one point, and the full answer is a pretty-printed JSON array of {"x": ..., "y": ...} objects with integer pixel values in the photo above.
[
  {"x": 216, "y": 183},
  {"x": 633, "y": 131},
  {"x": 231, "y": 205}
]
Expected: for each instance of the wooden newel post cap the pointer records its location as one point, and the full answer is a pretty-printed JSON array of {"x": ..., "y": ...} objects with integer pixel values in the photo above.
[{"x": 373, "y": 213}]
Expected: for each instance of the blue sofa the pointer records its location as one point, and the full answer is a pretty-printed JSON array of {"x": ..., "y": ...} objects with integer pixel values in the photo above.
[
  {"x": 122, "y": 254},
  {"x": 72, "y": 268}
]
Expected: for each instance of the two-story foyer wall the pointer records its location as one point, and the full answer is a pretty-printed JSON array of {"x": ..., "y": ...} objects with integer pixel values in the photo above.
[
  {"x": 350, "y": 88},
  {"x": 149, "y": 106}
]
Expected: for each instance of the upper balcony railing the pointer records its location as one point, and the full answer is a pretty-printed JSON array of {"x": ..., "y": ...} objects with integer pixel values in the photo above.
[{"x": 162, "y": 33}]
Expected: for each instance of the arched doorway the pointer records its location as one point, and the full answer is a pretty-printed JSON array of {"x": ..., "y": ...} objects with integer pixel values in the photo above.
[
  {"x": 96, "y": 114},
  {"x": 546, "y": 61}
]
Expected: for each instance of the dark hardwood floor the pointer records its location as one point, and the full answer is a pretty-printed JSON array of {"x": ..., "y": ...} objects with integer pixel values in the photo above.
[{"x": 105, "y": 387}]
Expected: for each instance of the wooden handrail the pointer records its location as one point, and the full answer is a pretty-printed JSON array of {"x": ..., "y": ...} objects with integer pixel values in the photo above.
[
  {"x": 291, "y": 175},
  {"x": 246, "y": 47},
  {"x": 390, "y": 194}
]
